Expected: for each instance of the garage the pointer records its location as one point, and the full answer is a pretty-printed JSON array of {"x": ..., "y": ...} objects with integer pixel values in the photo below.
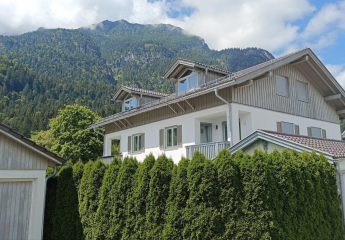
[{"x": 23, "y": 166}]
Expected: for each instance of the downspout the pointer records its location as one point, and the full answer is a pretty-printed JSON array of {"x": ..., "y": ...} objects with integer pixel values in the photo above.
[
  {"x": 206, "y": 71},
  {"x": 229, "y": 117}
]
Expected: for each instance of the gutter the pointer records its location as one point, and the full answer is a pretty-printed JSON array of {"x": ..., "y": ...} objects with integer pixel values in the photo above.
[{"x": 94, "y": 129}]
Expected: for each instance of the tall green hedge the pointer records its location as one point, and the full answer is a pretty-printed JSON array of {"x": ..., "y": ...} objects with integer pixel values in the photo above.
[
  {"x": 285, "y": 195},
  {"x": 90, "y": 185},
  {"x": 106, "y": 199},
  {"x": 121, "y": 192}
]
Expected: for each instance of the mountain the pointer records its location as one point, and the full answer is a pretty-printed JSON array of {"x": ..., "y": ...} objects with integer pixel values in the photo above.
[{"x": 41, "y": 71}]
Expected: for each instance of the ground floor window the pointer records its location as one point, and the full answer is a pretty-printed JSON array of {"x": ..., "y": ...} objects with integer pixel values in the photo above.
[
  {"x": 171, "y": 137},
  {"x": 137, "y": 143}
]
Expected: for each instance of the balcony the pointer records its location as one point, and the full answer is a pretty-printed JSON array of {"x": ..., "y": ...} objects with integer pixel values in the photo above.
[{"x": 210, "y": 150}]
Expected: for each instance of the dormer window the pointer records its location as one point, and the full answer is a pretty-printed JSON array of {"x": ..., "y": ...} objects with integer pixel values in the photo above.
[
  {"x": 129, "y": 104},
  {"x": 188, "y": 81}
]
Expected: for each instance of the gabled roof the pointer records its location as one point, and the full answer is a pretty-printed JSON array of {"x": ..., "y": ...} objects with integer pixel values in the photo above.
[
  {"x": 304, "y": 59},
  {"x": 31, "y": 144},
  {"x": 332, "y": 149},
  {"x": 138, "y": 91},
  {"x": 189, "y": 63}
]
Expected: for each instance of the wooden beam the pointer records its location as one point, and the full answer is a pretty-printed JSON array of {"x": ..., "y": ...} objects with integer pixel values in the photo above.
[
  {"x": 341, "y": 111},
  {"x": 190, "y": 105},
  {"x": 181, "y": 107},
  {"x": 117, "y": 125},
  {"x": 301, "y": 60},
  {"x": 244, "y": 84},
  {"x": 128, "y": 122},
  {"x": 172, "y": 109},
  {"x": 332, "y": 97},
  {"x": 122, "y": 123}
]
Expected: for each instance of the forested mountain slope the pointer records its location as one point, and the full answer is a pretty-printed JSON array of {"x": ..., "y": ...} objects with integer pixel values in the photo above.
[{"x": 42, "y": 70}]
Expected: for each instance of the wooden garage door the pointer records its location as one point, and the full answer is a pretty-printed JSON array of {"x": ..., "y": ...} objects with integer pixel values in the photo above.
[{"x": 15, "y": 202}]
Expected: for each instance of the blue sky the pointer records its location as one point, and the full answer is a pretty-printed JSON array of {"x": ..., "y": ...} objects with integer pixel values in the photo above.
[{"x": 278, "y": 26}]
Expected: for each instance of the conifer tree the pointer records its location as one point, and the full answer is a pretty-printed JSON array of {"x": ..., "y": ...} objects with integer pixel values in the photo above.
[
  {"x": 78, "y": 170},
  {"x": 135, "y": 224},
  {"x": 201, "y": 213},
  {"x": 121, "y": 193},
  {"x": 66, "y": 219},
  {"x": 230, "y": 193},
  {"x": 106, "y": 200},
  {"x": 161, "y": 174},
  {"x": 90, "y": 185},
  {"x": 177, "y": 201}
]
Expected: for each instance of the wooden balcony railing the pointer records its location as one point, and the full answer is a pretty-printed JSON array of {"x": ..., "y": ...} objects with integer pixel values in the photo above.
[{"x": 210, "y": 150}]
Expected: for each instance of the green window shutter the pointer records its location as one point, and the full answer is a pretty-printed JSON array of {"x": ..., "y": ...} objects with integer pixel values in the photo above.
[
  {"x": 296, "y": 129},
  {"x": 143, "y": 142},
  {"x": 324, "y": 133},
  {"x": 129, "y": 144},
  {"x": 161, "y": 138},
  {"x": 179, "y": 136},
  {"x": 309, "y": 131},
  {"x": 279, "y": 127}
]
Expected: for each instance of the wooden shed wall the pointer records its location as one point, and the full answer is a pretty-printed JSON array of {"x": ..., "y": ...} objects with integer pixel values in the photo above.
[
  {"x": 15, "y": 156},
  {"x": 263, "y": 94},
  {"x": 15, "y": 206}
]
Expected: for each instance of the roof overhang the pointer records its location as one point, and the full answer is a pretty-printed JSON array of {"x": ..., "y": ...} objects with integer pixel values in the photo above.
[
  {"x": 34, "y": 147},
  {"x": 180, "y": 64},
  {"x": 123, "y": 92},
  {"x": 252, "y": 138}
]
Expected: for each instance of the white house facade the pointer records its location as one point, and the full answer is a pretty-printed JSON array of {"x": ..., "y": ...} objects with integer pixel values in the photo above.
[{"x": 214, "y": 109}]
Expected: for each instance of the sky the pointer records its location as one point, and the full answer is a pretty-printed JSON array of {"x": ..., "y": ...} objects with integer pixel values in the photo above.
[{"x": 279, "y": 26}]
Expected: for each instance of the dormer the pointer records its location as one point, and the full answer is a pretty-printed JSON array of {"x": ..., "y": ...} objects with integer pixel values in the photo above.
[
  {"x": 132, "y": 97},
  {"x": 188, "y": 75}
]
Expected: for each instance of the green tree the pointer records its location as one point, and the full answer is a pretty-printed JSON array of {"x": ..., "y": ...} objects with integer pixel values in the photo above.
[
  {"x": 230, "y": 192},
  {"x": 136, "y": 220},
  {"x": 90, "y": 185},
  {"x": 202, "y": 210},
  {"x": 121, "y": 192},
  {"x": 106, "y": 200},
  {"x": 177, "y": 201},
  {"x": 45, "y": 139},
  {"x": 74, "y": 141},
  {"x": 78, "y": 170},
  {"x": 161, "y": 174}
]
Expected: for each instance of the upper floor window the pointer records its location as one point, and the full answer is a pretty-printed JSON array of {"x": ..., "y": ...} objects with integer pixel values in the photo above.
[
  {"x": 129, "y": 104},
  {"x": 316, "y": 132},
  {"x": 302, "y": 91},
  {"x": 287, "y": 128},
  {"x": 137, "y": 143},
  {"x": 171, "y": 137},
  {"x": 282, "y": 86},
  {"x": 188, "y": 81}
]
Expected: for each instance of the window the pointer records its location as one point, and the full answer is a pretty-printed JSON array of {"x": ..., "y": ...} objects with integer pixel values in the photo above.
[
  {"x": 137, "y": 143},
  {"x": 129, "y": 104},
  {"x": 302, "y": 91},
  {"x": 188, "y": 81},
  {"x": 282, "y": 86},
  {"x": 171, "y": 137},
  {"x": 316, "y": 132},
  {"x": 287, "y": 128}
]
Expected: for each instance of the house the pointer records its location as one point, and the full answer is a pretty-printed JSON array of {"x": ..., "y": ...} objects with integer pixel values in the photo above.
[
  {"x": 213, "y": 109},
  {"x": 333, "y": 150},
  {"x": 23, "y": 166}
]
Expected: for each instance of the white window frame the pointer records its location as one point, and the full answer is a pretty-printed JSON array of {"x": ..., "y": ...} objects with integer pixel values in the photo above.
[
  {"x": 311, "y": 131},
  {"x": 128, "y": 100},
  {"x": 287, "y": 85},
  {"x": 133, "y": 137},
  {"x": 187, "y": 77},
  {"x": 172, "y": 138},
  {"x": 298, "y": 81},
  {"x": 293, "y": 127}
]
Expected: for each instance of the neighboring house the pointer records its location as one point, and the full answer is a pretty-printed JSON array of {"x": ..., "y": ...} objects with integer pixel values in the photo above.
[
  {"x": 23, "y": 166},
  {"x": 213, "y": 109},
  {"x": 333, "y": 150}
]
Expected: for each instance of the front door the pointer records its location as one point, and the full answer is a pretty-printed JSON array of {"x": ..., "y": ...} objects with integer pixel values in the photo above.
[{"x": 205, "y": 132}]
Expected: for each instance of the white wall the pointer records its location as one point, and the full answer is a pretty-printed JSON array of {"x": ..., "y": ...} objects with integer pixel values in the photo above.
[
  {"x": 267, "y": 120},
  {"x": 190, "y": 131}
]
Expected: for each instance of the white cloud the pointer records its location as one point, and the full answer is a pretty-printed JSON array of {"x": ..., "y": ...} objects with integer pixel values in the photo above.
[{"x": 338, "y": 71}]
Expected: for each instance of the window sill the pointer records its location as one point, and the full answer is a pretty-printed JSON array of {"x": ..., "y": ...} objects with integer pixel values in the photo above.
[
  {"x": 137, "y": 153},
  {"x": 171, "y": 148}
]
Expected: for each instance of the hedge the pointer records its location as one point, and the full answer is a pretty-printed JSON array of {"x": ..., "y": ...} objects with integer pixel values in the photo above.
[{"x": 285, "y": 195}]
